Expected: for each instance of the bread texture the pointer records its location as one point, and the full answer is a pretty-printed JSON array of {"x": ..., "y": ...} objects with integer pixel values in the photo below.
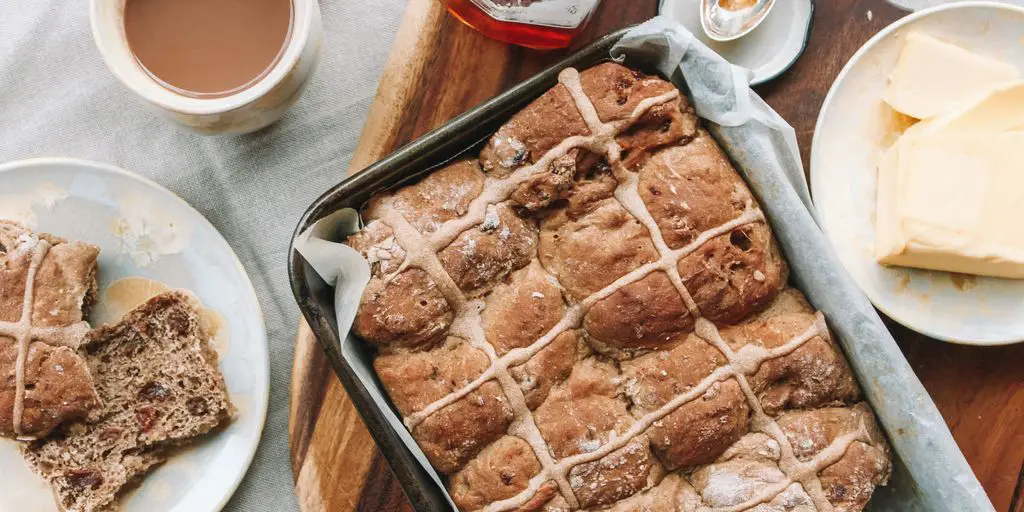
[
  {"x": 594, "y": 315},
  {"x": 160, "y": 385},
  {"x": 41, "y": 334}
]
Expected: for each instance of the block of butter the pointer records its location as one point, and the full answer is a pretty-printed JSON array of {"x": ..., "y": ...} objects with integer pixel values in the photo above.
[
  {"x": 951, "y": 190},
  {"x": 932, "y": 75},
  {"x": 959, "y": 205}
]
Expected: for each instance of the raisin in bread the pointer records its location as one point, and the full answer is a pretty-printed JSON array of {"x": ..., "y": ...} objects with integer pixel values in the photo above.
[
  {"x": 46, "y": 286},
  {"x": 161, "y": 387},
  {"x": 594, "y": 315}
]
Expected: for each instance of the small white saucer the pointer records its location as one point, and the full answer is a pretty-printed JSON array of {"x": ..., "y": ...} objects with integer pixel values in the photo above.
[
  {"x": 853, "y": 131},
  {"x": 144, "y": 230},
  {"x": 768, "y": 50}
]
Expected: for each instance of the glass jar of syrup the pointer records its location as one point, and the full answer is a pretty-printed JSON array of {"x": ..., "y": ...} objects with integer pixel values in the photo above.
[{"x": 540, "y": 24}]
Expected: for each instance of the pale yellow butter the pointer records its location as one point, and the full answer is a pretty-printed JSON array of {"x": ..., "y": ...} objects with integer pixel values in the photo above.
[
  {"x": 932, "y": 76},
  {"x": 951, "y": 190},
  {"x": 959, "y": 204},
  {"x": 999, "y": 109}
]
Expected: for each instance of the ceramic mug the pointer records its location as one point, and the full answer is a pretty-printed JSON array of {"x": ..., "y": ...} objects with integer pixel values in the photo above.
[{"x": 245, "y": 111}]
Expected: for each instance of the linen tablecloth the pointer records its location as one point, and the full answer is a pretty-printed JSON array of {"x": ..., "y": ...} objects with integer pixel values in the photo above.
[{"x": 57, "y": 98}]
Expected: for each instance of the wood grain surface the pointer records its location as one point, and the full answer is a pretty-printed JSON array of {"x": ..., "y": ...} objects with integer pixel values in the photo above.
[{"x": 439, "y": 68}]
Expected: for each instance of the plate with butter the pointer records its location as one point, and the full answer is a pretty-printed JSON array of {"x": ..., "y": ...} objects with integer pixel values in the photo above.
[{"x": 916, "y": 171}]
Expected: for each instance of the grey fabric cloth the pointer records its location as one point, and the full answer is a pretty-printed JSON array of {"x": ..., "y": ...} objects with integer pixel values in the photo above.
[{"x": 57, "y": 98}]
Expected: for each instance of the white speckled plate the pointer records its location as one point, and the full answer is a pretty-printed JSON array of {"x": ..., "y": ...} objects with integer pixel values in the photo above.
[
  {"x": 855, "y": 128},
  {"x": 768, "y": 50},
  {"x": 145, "y": 230}
]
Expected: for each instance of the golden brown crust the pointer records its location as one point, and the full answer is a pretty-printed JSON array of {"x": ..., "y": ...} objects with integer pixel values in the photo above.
[
  {"x": 587, "y": 253},
  {"x": 692, "y": 188},
  {"x": 585, "y": 411},
  {"x": 456, "y": 433},
  {"x": 57, "y": 385},
  {"x": 551, "y": 366},
  {"x": 865, "y": 464},
  {"x": 616, "y": 476},
  {"x": 850, "y": 482},
  {"x": 522, "y": 308},
  {"x": 813, "y": 375},
  {"x": 502, "y": 243},
  {"x": 735, "y": 274},
  {"x": 646, "y": 314},
  {"x": 616, "y": 92},
  {"x": 501, "y": 471},
  {"x": 531, "y": 132},
  {"x": 402, "y": 309},
  {"x": 407, "y": 310},
  {"x": 415, "y": 379},
  {"x": 581, "y": 415},
  {"x": 673, "y": 494},
  {"x": 439, "y": 197},
  {"x": 698, "y": 431},
  {"x": 631, "y": 344},
  {"x": 544, "y": 188}
]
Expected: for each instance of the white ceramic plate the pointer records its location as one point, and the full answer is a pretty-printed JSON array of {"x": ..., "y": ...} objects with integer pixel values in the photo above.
[
  {"x": 768, "y": 50},
  {"x": 855, "y": 128},
  {"x": 144, "y": 230}
]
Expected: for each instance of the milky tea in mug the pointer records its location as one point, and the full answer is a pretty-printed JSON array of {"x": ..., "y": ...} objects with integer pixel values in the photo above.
[{"x": 207, "y": 48}]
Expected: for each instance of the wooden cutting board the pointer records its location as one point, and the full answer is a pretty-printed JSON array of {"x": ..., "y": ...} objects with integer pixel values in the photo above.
[{"x": 439, "y": 68}]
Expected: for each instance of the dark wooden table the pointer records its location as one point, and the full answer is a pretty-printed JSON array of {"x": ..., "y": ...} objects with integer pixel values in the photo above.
[{"x": 439, "y": 68}]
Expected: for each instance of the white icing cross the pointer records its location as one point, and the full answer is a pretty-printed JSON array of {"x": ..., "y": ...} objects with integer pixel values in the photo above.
[
  {"x": 23, "y": 332},
  {"x": 422, "y": 254}
]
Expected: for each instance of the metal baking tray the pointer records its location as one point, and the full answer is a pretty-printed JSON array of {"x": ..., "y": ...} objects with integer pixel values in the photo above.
[
  {"x": 459, "y": 136},
  {"x": 468, "y": 132}
]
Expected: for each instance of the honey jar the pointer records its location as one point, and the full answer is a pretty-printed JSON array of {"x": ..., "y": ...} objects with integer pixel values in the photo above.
[{"x": 540, "y": 24}]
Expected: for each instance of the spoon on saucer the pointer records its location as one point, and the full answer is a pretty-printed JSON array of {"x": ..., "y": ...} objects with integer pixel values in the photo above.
[{"x": 726, "y": 20}]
